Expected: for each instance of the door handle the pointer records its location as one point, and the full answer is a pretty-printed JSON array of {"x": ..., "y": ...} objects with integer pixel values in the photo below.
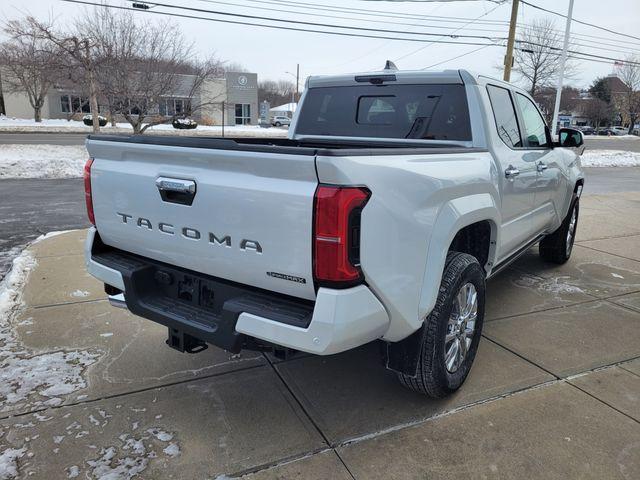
[
  {"x": 542, "y": 166},
  {"x": 511, "y": 172}
]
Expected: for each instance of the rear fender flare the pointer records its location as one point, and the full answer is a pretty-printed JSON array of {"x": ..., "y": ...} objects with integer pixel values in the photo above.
[{"x": 452, "y": 217}]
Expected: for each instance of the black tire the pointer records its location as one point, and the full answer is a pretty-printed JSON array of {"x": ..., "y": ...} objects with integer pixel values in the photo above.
[
  {"x": 557, "y": 246},
  {"x": 278, "y": 124},
  {"x": 433, "y": 378}
]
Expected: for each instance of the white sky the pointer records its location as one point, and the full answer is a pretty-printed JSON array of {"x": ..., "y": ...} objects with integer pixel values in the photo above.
[{"x": 271, "y": 52}]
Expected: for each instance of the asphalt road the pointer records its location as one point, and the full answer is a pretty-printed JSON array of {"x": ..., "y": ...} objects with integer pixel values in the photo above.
[
  {"x": 31, "y": 207},
  {"x": 43, "y": 138},
  {"x": 593, "y": 143}
]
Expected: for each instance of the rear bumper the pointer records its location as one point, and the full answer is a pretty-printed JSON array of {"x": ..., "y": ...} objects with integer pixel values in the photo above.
[{"x": 338, "y": 320}]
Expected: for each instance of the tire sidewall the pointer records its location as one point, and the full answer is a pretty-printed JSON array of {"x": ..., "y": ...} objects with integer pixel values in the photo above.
[{"x": 473, "y": 274}]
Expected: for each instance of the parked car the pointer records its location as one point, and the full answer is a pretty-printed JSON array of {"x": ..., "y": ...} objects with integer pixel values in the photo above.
[
  {"x": 620, "y": 130},
  {"x": 606, "y": 131},
  {"x": 280, "y": 120},
  {"x": 380, "y": 218},
  {"x": 588, "y": 130}
]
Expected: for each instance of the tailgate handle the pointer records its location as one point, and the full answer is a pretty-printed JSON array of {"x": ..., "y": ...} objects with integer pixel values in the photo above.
[{"x": 176, "y": 190}]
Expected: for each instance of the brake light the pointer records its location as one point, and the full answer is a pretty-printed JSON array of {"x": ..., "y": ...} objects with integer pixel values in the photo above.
[
  {"x": 336, "y": 260},
  {"x": 87, "y": 191}
]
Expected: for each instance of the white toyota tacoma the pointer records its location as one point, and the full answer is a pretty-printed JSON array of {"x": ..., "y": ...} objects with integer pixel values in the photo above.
[{"x": 396, "y": 195}]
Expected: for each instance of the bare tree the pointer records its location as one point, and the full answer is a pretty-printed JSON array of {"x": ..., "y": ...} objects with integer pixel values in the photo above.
[
  {"x": 78, "y": 54},
  {"x": 276, "y": 92},
  {"x": 629, "y": 102},
  {"x": 537, "y": 59},
  {"x": 143, "y": 65},
  {"x": 30, "y": 63},
  {"x": 597, "y": 111}
]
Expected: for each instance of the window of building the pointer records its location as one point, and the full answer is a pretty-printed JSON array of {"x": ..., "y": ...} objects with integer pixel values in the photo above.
[
  {"x": 243, "y": 113},
  {"x": 534, "y": 126},
  {"x": 74, "y": 104},
  {"x": 505, "y": 116},
  {"x": 174, "y": 106}
]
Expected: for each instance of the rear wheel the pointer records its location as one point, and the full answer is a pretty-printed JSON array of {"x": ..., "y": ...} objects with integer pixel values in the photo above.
[
  {"x": 451, "y": 332},
  {"x": 278, "y": 124},
  {"x": 558, "y": 246}
]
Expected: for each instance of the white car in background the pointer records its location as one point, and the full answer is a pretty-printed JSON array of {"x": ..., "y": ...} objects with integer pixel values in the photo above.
[{"x": 280, "y": 120}]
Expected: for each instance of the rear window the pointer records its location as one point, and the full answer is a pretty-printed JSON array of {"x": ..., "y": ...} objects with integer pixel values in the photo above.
[{"x": 430, "y": 112}]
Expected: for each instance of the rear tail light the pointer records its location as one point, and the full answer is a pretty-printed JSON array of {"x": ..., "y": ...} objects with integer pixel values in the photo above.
[
  {"x": 87, "y": 191},
  {"x": 336, "y": 259}
]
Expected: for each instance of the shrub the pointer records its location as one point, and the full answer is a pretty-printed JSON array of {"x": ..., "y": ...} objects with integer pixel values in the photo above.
[
  {"x": 184, "y": 123},
  {"x": 88, "y": 120}
]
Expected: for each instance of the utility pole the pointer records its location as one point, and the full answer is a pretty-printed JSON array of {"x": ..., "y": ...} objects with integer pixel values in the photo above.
[
  {"x": 508, "y": 58},
  {"x": 563, "y": 60},
  {"x": 297, "y": 82}
]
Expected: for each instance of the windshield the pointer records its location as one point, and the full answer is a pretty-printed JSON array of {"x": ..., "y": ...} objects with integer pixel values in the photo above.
[{"x": 430, "y": 112}]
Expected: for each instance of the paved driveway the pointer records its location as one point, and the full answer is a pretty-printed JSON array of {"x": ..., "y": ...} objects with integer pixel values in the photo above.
[{"x": 89, "y": 390}]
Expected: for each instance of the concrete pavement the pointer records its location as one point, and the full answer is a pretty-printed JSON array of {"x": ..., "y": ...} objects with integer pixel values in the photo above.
[{"x": 89, "y": 390}]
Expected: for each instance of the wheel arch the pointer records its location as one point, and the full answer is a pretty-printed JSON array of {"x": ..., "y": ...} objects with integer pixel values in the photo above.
[{"x": 463, "y": 214}]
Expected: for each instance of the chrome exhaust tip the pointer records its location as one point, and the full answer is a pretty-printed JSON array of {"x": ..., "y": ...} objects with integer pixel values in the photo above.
[{"x": 118, "y": 300}]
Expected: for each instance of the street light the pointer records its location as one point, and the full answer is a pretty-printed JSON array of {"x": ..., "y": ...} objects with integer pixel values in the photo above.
[{"x": 297, "y": 77}]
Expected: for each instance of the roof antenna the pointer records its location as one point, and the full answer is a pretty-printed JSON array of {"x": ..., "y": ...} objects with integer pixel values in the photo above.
[{"x": 389, "y": 65}]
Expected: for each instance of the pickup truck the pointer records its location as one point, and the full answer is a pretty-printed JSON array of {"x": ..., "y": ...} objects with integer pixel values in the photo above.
[{"x": 395, "y": 197}]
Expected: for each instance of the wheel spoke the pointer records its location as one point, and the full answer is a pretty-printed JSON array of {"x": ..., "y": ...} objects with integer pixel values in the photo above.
[
  {"x": 461, "y": 326},
  {"x": 452, "y": 354}
]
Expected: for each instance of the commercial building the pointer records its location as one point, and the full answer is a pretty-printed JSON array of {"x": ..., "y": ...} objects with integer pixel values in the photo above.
[{"x": 236, "y": 91}]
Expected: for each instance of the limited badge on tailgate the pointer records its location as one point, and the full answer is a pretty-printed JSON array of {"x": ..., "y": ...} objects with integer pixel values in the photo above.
[{"x": 284, "y": 276}]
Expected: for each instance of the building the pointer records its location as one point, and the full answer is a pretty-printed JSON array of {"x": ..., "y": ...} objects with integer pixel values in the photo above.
[{"x": 237, "y": 91}]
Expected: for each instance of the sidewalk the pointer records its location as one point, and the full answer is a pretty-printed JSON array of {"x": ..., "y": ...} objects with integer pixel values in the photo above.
[{"x": 89, "y": 390}]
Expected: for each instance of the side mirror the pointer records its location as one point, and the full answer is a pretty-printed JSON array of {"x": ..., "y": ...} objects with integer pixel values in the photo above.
[{"x": 570, "y": 138}]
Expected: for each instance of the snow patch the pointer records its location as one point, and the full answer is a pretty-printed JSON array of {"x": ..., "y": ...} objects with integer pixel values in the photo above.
[
  {"x": 132, "y": 457},
  {"x": 42, "y": 161},
  {"x": 80, "y": 293},
  {"x": 27, "y": 378},
  {"x": 555, "y": 286},
  {"x": 9, "y": 462},
  {"x": 610, "y": 158}
]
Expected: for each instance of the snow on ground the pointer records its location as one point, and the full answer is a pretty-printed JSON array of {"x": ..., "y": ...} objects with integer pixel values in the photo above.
[
  {"x": 42, "y": 161},
  {"x": 610, "y": 158},
  {"x": 27, "y": 378},
  {"x": 18, "y": 125}
]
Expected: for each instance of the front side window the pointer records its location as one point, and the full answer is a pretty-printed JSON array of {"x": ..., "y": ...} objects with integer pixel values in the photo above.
[
  {"x": 534, "y": 126},
  {"x": 505, "y": 116},
  {"x": 425, "y": 112}
]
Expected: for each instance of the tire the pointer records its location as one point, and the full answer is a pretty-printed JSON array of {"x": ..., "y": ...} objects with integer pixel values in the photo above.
[
  {"x": 557, "y": 247},
  {"x": 434, "y": 377},
  {"x": 278, "y": 124}
]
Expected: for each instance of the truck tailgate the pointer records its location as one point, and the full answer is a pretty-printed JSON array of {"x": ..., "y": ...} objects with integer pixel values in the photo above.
[{"x": 250, "y": 220}]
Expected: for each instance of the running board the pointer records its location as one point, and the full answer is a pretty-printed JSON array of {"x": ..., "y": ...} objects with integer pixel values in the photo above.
[{"x": 514, "y": 256}]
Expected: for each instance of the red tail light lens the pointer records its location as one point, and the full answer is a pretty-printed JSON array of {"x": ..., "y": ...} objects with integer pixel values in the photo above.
[
  {"x": 337, "y": 235},
  {"x": 87, "y": 191}
]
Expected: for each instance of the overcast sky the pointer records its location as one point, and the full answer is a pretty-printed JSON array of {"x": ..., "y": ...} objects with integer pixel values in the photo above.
[{"x": 271, "y": 53}]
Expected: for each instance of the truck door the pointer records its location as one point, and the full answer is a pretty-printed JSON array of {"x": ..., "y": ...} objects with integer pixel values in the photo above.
[
  {"x": 547, "y": 161},
  {"x": 517, "y": 174}
]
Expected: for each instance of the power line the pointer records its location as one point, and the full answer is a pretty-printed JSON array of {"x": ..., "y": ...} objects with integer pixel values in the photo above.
[
  {"x": 341, "y": 17},
  {"x": 275, "y": 27},
  {"x": 316, "y": 24},
  {"x": 579, "y": 21},
  {"x": 456, "y": 57},
  {"x": 328, "y": 32},
  {"x": 454, "y": 31}
]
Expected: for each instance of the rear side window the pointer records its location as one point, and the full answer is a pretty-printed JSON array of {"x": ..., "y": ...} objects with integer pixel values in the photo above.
[
  {"x": 534, "y": 125},
  {"x": 429, "y": 112},
  {"x": 505, "y": 116}
]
